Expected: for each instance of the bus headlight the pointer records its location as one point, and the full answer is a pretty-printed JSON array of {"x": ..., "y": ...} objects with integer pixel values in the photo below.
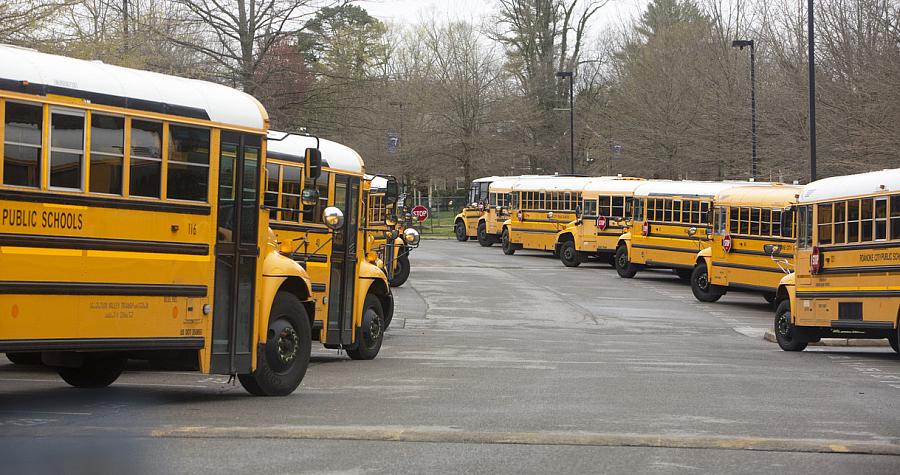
[{"x": 411, "y": 236}]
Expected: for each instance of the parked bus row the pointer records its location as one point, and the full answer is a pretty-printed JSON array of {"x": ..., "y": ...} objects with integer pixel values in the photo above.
[
  {"x": 826, "y": 255},
  {"x": 155, "y": 217}
]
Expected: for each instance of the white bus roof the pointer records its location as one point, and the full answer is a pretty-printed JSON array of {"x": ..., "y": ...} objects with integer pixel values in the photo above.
[
  {"x": 687, "y": 188},
  {"x": 378, "y": 182},
  {"x": 613, "y": 185},
  {"x": 552, "y": 183},
  {"x": 334, "y": 155},
  {"x": 505, "y": 184},
  {"x": 487, "y": 179},
  {"x": 39, "y": 73},
  {"x": 848, "y": 186}
]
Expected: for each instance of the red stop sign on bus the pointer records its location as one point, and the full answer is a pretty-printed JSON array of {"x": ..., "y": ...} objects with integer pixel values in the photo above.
[
  {"x": 420, "y": 212},
  {"x": 727, "y": 243},
  {"x": 601, "y": 222}
]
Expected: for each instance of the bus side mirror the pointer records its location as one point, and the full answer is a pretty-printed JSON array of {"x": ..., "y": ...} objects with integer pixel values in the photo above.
[
  {"x": 309, "y": 197},
  {"x": 313, "y": 163},
  {"x": 772, "y": 249},
  {"x": 333, "y": 218},
  {"x": 392, "y": 194}
]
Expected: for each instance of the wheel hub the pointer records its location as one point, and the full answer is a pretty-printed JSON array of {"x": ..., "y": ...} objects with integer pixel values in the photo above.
[
  {"x": 703, "y": 281},
  {"x": 373, "y": 332},
  {"x": 286, "y": 345}
]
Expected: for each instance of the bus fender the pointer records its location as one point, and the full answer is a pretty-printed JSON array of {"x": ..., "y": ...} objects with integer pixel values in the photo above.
[
  {"x": 625, "y": 240},
  {"x": 372, "y": 280},
  {"x": 786, "y": 289},
  {"x": 705, "y": 256},
  {"x": 282, "y": 273}
]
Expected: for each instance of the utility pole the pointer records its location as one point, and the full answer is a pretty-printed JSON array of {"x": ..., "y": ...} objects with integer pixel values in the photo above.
[
  {"x": 741, "y": 44},
  {"x": 812, "y": 91},
  {"x": 571, "y": 76}
]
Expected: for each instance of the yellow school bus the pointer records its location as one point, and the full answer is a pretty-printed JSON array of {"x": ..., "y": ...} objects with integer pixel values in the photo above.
[
  {"x": 497, "y": 208},
  {"x": 465, "y": 224},
  {"x": 846, "y": 279},
  {"x": 671, "y": 224},
  {"x": 540, "y": 208},
  {"x": 605, "y": 214},
  {"x": 354, "y": 304},
  {"x": 130, "y": 225},
  {"x": 388, "y": 243},
  {"x": 746, "y": 219}
]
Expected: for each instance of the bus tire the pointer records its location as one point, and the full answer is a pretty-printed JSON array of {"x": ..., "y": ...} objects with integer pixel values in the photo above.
[
  {"x": 624, "y": 267},
  {"x": 26, "y": 358},
  {"x": 97, "y": 371},
  {"x": 508, "y": 247},
  {"x": 460, "y": 230},
  {"x": 568, "y": 254},
  {"x": 483, "y": 238},
  {"x": 684, "y": 275},
  {"x": 370, "y": 334},
  {"x": 281, "y": 366},
  {"x": 785, "y": 331},
  {"x": 702, "y": 289},
  {"x": 401, "y": 271}
]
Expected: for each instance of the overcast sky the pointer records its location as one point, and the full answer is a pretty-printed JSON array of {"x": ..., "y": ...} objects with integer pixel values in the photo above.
[{"x": 409, "y": 11}]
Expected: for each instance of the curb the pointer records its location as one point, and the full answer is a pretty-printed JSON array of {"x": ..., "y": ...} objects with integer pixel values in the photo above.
[{"x": 770, "y": 336}]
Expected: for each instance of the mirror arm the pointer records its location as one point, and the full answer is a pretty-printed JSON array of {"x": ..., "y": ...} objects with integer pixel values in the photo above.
[{"x": 330, "y": 238}]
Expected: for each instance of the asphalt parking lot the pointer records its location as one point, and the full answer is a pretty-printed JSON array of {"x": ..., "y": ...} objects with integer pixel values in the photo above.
[{"x": 496, "y": 364}]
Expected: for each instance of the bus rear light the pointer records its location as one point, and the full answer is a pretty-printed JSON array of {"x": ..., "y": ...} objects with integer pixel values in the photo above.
[
  {"x": 645, "y": 228},
  {"x": 815, "y": 261}
]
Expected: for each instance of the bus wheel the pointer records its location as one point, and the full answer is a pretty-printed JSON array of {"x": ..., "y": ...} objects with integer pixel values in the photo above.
[
  {"x": 24, "y": 358},
  {"x": 281, "y": 366},
  {"x": 370, "y": 335},
  {"x": 98, "y": 371},
  {"x": 785, "y": 331},
  {"x": 460, "y": 230},
  {"x": 483, "y": 239},
  {"x": 703, "y": 290},
  {"x": 508, "y": 247},
  {"x": 684, "y": 275},
  {"x": 568, "y": 254},
  {"x": 401, "y": 272},
  {"x": 624, "y": 267}
]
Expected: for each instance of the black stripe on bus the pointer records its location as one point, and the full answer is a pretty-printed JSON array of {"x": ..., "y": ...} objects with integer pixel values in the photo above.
[
  {"x": 732, "y": 265},
  {"x": 754, "y": 288},
  {"x": 678, "y": 236},
  {"x": 103, "y": 244},
  {"x": 848, "y": 294},
  {"x": 680, "y": 225},
  {"x": 301, "y": 228},
  {"x": 859, "y": 270},
  {"x": 105, "y": 99},
  {"x": 554, "y": 221},
  {"x": 761, "y": 238},
  {"x": 863, "y": 246},
  {"x": 759, "y": 253},
  {"x": 669, "y": 265},
  {"x": 665, "y": 248},
  {"x": 102, "y": 288},
  {"x": 318, "y": 287},
  {"x": 103, "y": 344},
  {"x": 102, "y": 202},
  {"x": 527, "y": 230},
  {"x": 861, "y": 324}
]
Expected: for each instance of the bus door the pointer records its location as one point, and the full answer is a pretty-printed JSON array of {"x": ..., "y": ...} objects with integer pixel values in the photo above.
[
  {"x": 236, "y": 254},
  {"x": 343, "y": 262}
]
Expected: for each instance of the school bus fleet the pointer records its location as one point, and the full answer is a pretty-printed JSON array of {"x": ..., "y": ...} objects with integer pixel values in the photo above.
[{"x": 826, "y": 255}]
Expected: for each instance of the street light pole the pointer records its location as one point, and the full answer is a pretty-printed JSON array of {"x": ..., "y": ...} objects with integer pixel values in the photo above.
[
  {"x": 812, "y": 91},
  {"x": 570, "y": 75},
  {"x": 740, "y": 44}
]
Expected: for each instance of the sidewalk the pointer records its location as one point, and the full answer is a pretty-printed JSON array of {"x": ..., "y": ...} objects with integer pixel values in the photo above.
[{"x": 770, "y": 336}]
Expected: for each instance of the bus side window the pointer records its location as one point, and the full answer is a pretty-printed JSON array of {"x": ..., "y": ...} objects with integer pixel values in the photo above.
[
  {"x": 895, "y": 217},
  {"x": 638, "y": 210},
  {"x": 804, "y": 226},
  {"x": 721, "y": 220}
]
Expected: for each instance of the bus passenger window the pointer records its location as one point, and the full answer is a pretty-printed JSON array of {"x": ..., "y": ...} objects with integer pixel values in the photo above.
[
  {"x": 188, "y": 175},
  {"x": 824, "y": 222},
  {"x": 840, "y": 222},
  {"x": 605, "y": 208},
  {"x": 745, "y": 221},
  {"x": 22, "y": 145},
  {"x": 895, "y": 217},
  {"x": 866, "y": 221},
  {"x": 107, "y": 154},
  {"x": 270, "y": 198},
  {"x": 880, "y": 219},
  {"x": 667, "y": 207},
  {"x": 66, "y": 149},
  {"x": 290, "y": 192},
  {"x": 765, "y": 222},
  {"x": 754, "y": 221},
  {"x": 853, "y": 221},
  {"x": 146, "y": 158},
  {"x": 618, "y": 207},
  {"x": 704, "y": 213}
]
